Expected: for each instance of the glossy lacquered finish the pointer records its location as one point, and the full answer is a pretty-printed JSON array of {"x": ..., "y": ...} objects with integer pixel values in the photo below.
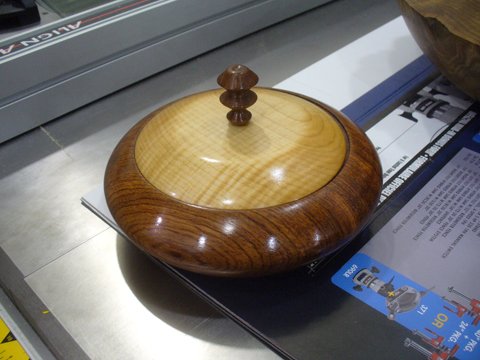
[
  {"x": 448, "y": 32},
  {"x": 189, "y": 151},
  {"x": 250, "y": 242},
  {"x": 238, "y": 80}
]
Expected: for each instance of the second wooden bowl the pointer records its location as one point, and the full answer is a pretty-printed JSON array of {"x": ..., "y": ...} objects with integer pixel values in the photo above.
[{"x": 448, "y": 32}]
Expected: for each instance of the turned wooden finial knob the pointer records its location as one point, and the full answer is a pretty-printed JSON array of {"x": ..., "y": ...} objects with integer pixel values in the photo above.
[{"x": 238, "y": 80}]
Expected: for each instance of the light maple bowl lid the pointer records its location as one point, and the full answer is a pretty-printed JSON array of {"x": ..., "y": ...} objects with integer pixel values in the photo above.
[
  {"x": 288, "y": 150},
  {"x": 285, "y": 180}
]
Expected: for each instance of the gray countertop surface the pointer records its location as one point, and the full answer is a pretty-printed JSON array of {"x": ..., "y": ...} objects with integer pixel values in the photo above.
[{"x": 88, "y": 292}]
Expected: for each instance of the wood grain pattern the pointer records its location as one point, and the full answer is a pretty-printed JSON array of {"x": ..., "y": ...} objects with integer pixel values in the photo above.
[
  {"x": 238, "y": 80},
  {"x": 289, "y": 149},
  {"x": 448, "y": 32},
  {"x": 252, "y": 242},
  {"x": 461, "y": 18}
]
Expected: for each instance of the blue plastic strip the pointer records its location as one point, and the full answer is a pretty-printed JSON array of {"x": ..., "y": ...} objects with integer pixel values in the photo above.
[{"x": 385, "y": 94}]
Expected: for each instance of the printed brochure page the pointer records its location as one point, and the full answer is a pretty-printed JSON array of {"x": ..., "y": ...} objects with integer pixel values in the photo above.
[
  {"x": 421, "y": 269},
  {"x": 403, "y": 133}
]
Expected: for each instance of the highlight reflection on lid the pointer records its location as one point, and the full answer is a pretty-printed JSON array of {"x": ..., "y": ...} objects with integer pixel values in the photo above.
[{"x": 289, "y": 149}]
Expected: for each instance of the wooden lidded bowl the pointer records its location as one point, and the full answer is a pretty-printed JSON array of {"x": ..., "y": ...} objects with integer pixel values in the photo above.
[
  {"x": 448, "y": 32},
  {"x": 279, "y": 185}
]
